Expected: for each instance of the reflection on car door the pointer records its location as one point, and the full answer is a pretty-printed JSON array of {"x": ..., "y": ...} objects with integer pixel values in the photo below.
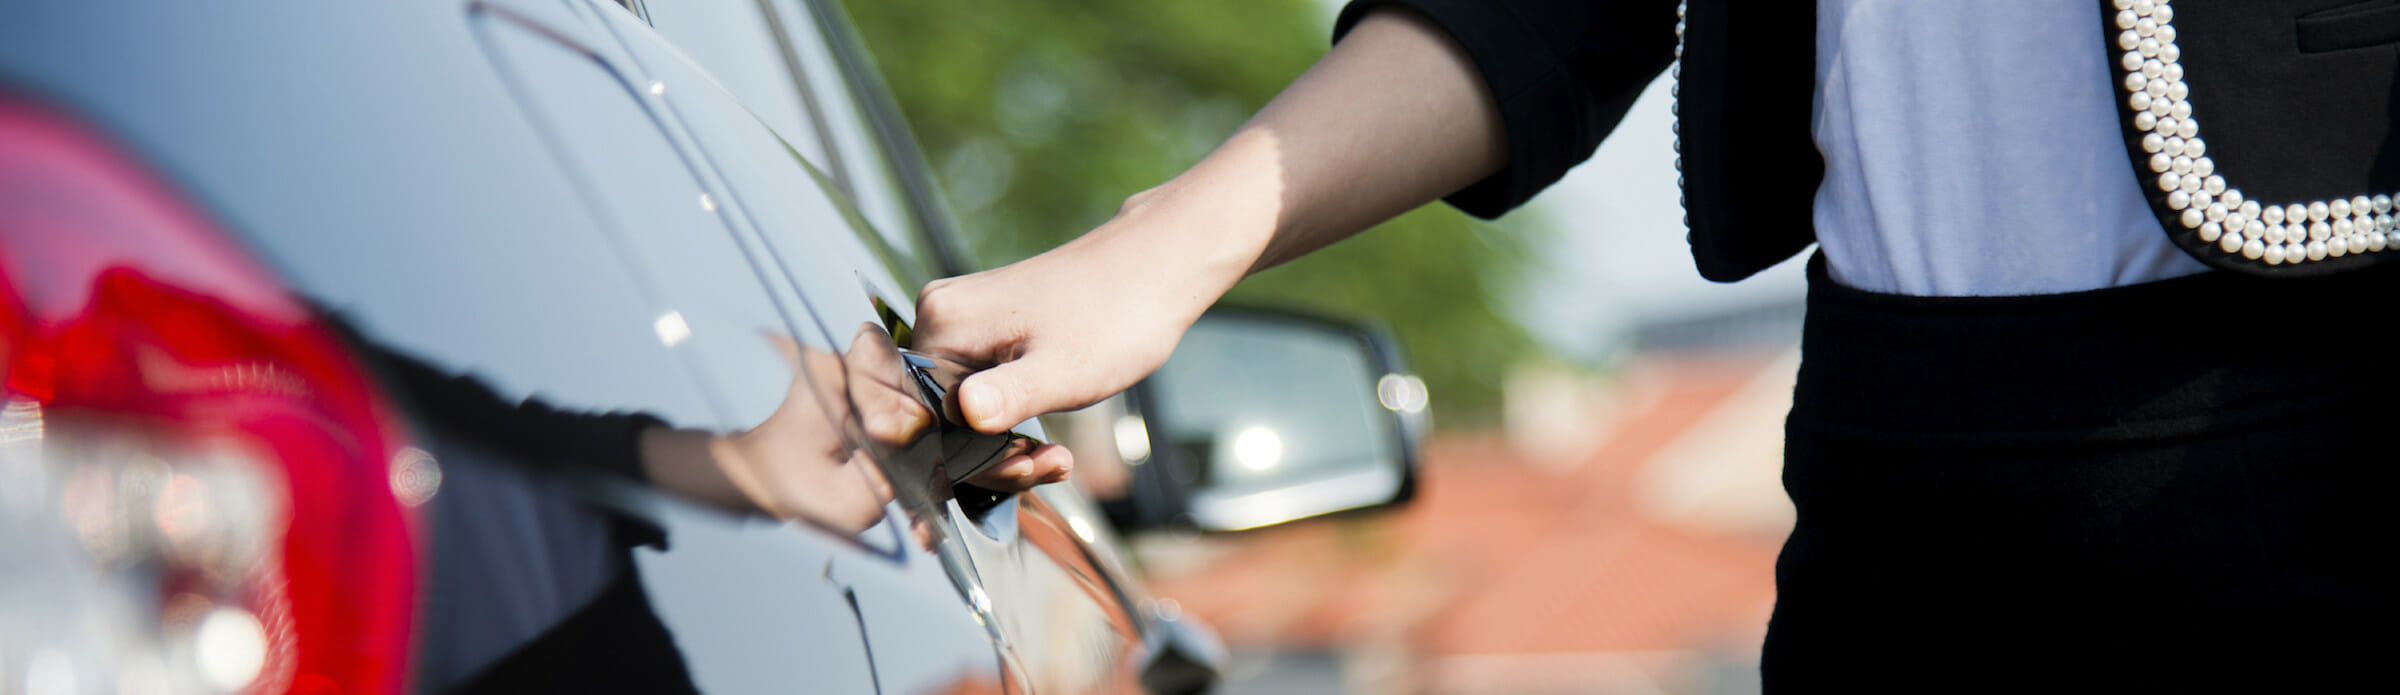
[
  {"x": 918, "y": 633},
  {"x": 1030, "y": 568},
  {"x": 750, "y": 604}
]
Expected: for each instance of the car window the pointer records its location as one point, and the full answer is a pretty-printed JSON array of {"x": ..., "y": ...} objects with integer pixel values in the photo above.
[
  {"x": 772, "y": 57},
  {"x": 738, "y": 46},
  {"x": 873, "y": 183}
]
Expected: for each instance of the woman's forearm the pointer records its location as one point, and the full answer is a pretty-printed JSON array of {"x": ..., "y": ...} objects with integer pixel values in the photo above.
[{"x": 1395, "y": 116}]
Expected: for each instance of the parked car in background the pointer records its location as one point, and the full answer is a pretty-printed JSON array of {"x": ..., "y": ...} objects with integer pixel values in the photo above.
[{"x": 342, "y": 343}]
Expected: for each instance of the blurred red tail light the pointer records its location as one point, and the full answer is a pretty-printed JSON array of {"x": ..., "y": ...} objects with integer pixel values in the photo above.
[{"x": 205, "y": 447}]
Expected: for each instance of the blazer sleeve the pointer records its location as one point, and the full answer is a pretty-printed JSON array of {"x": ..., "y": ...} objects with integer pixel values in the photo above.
[{"x": 1562, "y": 71}]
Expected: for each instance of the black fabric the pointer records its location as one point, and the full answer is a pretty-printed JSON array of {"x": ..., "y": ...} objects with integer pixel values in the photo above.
[
  {"x": 1563, "y": 74},
  {"x": 2361, "y": 25},
  {"x": 561, "y": 443},
  {"x": 563, "y": 446},
  {"x": 2165, "y": 487},
  {"x": 464, "y": 406},
  {"x": 512, "y": 553},
  {"x": 615, "y": 644},
  {"x": 1749, "y": 162}
]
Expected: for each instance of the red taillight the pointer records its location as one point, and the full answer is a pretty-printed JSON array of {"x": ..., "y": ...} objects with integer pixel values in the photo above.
[{"x": 195, "y": 426}]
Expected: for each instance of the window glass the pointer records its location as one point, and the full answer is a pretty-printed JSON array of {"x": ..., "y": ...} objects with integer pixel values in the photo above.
[
  {"x": 878, "y": 189},
  {"x": 703, "y": 301},
  {"x": 737, "y": 46},
  {"x": 825, "y": 246},
  {"x": 764, "y": 54}
]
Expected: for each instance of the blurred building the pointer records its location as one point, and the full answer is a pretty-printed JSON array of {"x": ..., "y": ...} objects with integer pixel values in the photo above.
[{"x": 1618, "y": 536}]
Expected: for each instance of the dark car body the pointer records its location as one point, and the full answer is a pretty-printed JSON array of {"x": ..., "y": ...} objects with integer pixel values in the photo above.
[
  {"x": 601, "y": 215},
  {"x": 336, "y": 337}
]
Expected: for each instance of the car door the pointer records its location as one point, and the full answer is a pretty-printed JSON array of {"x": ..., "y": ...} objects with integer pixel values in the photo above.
[
  {"x": 754, "y": 606},
  {"x": 1033, "y": 565}
]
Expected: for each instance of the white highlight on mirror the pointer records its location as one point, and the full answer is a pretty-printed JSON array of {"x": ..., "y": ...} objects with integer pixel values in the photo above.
[
  {"x": 671, "y": 328},
  {"x": 1257, "y": 448},
  {"x": 1222, "y": 512},
  {"x": 1133, "y": 439},
  {"x": 231, "y": 647},
  {"x": 1402, "y": 392}
]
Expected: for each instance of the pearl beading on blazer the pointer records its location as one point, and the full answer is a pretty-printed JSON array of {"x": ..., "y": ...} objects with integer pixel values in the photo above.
[
  {"x": 1675, "y": 114},
  {"x": 2275, "y": 234}
]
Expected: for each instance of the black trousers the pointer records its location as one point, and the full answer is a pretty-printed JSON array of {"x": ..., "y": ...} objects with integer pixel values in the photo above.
[{"x": 2175, "y": 486}]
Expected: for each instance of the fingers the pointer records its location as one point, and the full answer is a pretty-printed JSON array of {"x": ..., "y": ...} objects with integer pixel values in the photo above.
[
  {"x": 996, "y": 399},
  {"x": 885, "y": 401},
  {"x": 893, "y": 418},
  {"x": 952, "y": 321},
  {"x": 1058, "y": 331},
  {"x": 1048, "y": 463},
  {"x": 986, "y": 408},
  {"x": 1041, "y": 381},
  {"x": 1055, "y": 463},
  {"x": 866, "y": 509},
  {"x": 921, "y": 529}
]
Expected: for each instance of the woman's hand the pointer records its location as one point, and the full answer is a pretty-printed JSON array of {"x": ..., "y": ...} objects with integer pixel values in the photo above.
[
  {"x": 892, "y": 415},
  {"x": 1395, "y": 116},
  {"x": 1081, "y": 322},
  {"x": 798, "y": 463}
]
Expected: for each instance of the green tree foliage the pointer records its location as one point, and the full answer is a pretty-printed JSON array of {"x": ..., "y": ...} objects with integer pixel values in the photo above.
[{"x": 1041, "y": 116}]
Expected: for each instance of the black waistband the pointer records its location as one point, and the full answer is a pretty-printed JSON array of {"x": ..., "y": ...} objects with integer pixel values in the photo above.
[{"x": 2158, "y": 360}]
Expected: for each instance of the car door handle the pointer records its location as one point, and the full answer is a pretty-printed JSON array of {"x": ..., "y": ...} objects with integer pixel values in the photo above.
[{"x": 965, "y": 451}]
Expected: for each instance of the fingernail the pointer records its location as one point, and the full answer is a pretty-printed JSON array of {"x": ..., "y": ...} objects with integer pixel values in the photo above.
[{"x": 981, "y": 402}]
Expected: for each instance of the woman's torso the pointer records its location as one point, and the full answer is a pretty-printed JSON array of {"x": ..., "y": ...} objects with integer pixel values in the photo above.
[{"x": 1973, "y": 148}]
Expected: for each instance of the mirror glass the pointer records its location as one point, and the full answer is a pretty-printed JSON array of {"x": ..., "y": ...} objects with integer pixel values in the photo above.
[{"x": 1275, "y": 419}]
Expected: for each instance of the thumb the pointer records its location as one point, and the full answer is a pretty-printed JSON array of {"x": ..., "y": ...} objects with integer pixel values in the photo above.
[{"x": 996, "y": 399}]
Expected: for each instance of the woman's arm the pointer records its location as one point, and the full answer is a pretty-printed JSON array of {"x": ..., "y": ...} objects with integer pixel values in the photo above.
[{"x": 1393, "y": 117}]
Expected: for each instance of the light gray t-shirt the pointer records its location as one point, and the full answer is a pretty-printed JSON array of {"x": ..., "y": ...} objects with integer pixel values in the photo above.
[{"x": 1972, "y": 148}]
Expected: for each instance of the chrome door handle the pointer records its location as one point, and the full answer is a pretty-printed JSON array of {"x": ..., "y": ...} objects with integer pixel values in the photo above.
[{"x": 965, "y": 451}]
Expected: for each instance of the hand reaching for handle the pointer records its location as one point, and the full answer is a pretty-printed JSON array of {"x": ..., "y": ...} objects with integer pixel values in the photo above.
[{"x": 1395, "y": 116}]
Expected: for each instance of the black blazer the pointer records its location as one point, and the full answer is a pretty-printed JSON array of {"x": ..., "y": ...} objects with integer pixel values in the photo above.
[{"x": 2297, "y": 97}]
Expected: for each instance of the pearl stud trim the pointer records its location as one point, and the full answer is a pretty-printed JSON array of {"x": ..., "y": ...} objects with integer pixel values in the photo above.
[
  {"x": 2203, "y": 200},
  {"x": 1675, "y": 115}
]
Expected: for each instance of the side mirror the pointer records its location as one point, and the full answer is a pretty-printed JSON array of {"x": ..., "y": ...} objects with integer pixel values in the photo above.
[{"x": 1263, "y": 417}]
